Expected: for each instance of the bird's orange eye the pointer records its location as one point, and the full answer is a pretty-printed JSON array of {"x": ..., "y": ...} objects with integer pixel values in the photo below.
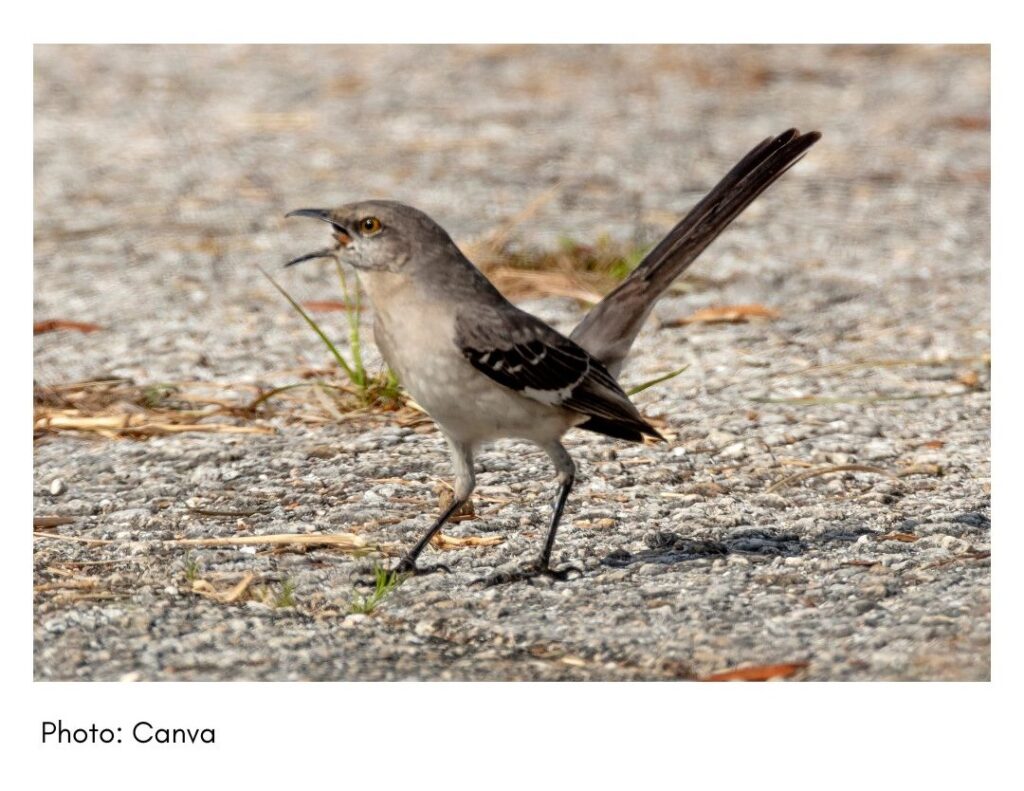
[{"x": 368, "y": 226}]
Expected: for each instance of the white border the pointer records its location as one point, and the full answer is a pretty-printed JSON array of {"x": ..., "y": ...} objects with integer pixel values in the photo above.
[{"x": 456, "y": 735}]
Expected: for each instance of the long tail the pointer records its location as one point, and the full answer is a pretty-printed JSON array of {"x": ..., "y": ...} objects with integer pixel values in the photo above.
[{"x": 609, "y": 329}]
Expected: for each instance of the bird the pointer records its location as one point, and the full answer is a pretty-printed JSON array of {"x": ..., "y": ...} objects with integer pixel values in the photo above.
[{"x": 484, "y": 369}]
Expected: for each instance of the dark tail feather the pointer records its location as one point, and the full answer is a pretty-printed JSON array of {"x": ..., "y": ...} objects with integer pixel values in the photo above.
[
  {"x": 608, "y": 330},
  {"x": 619, "y": 430}
]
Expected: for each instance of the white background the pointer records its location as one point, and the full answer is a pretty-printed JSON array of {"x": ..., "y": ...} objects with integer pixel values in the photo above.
[{"x": 282, "y": 736}]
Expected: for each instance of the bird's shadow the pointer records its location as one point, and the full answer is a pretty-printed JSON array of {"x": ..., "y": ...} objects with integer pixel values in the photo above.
[{"x": 668, "y": 547}]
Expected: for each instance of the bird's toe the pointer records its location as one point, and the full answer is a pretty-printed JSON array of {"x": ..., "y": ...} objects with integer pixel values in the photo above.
[
  {"x": 408, "y": 568},
  {"x": 528, "y": 573}
]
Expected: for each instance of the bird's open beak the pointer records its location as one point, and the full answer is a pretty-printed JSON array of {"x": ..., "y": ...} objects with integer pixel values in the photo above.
[
  {"x": 316, "y": 214},
  {"x": 340, "y": 234},
  {"x": 327, "y": 252}
]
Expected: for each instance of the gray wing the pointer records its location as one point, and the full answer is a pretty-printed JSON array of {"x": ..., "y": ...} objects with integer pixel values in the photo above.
[{"x": 523, "y": 353}]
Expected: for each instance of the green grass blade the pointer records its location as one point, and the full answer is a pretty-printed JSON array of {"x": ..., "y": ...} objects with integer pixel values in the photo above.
[
  {"x": 316, "y": 328},
  {"x": 354, "y": 344},
  {"x": 656, "y": 381},
  {"x": 384, "y": 583}
]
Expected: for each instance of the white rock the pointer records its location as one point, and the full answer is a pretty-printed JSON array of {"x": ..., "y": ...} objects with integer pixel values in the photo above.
[
  {"x": 720, "y": 438},
  {"x": 953, "y": 544},
  {"x": 734, "y": 451},
  {"x": 878, "y": 449}
]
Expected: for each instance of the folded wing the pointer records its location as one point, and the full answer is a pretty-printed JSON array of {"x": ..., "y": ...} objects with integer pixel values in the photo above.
[{"x": 522, "y": 353}]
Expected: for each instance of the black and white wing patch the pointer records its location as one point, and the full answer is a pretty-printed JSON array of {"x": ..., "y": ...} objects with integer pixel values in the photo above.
[
  {"x": 522, "y": 353},
  {"x": 538, "y": 370}
]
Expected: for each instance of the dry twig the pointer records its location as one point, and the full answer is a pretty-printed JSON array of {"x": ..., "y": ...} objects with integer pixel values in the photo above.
[{"x": 802, "y": 476}]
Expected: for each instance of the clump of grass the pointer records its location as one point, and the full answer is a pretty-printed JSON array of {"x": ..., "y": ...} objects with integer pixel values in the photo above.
[
  {"x": 277, "y": 597},
  {"x": 605, "y": 257},
  {"x": 286, "y": 595},
  {"x": 154, "y": 395},
  {"x": 384, "y": 583},
  {"x": 384, "y": 390},
  {"x": 380, "y": 389},
  {"x": 191, "y": 568}
]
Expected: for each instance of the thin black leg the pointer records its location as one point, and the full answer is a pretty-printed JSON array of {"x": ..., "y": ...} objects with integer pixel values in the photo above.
[
  {"x": 542, "y": 566},
  {"x": 556, "y": 517},
  {"x": 408, "y": 562}
]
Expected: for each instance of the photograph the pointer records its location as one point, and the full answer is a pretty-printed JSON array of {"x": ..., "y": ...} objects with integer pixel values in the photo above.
[{"x": 510, "y": 362}]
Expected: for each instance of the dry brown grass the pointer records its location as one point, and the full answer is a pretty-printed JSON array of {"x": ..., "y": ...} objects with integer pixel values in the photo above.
[{"x": 120, "y": 408}]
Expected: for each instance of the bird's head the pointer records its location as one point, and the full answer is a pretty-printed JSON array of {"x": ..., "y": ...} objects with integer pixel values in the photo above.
[{"x": 375, "y": 235}]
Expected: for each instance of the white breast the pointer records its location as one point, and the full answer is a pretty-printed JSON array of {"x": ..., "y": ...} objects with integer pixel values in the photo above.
[{"x": 416, "y": 336}]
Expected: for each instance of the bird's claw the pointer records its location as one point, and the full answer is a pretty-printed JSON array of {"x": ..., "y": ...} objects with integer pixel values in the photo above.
[
  {"x": 528, "y": 573},
  {"x": 408, "y": 568},
  {"x": 563, "y": 574}
]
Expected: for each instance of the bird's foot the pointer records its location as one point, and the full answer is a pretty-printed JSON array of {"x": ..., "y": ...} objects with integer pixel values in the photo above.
[
  {"x": 528, "y": 573},
  {"x": 403, "y": 570},
  {"x": 406, "y": 567}
]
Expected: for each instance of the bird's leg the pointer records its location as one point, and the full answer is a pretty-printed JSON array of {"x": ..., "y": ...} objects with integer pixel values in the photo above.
[
  {"x": 465, "y": 481},
  {"x": 542, "y": 566},
  {"x": 407, "y": 564},
  {"x": 565, "y": 480}
]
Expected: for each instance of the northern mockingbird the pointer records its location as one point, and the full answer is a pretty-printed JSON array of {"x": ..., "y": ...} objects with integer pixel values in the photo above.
[{"x": 484, "y": 369}]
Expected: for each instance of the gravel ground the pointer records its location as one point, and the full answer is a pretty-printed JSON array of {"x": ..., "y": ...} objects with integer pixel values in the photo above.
[{"x": 161, "y": 177}]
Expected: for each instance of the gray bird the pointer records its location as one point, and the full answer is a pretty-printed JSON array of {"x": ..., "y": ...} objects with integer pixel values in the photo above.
[{"x": 484, "y": 369}]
